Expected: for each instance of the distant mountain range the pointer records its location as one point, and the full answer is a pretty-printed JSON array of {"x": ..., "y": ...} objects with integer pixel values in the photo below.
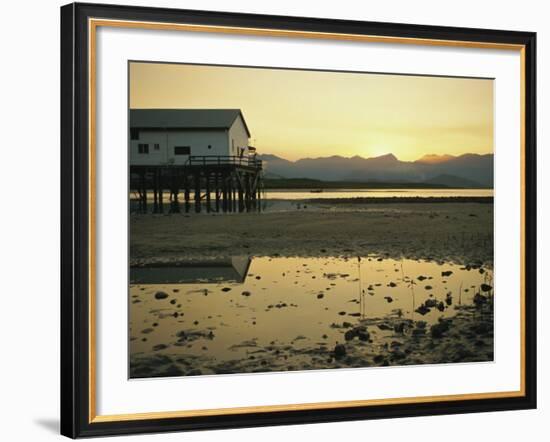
[{"x": 468, "y": 170}]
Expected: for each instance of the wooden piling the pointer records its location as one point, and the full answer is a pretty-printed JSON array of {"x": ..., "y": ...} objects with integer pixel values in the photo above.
[
  {"x": 217, "y": 191},
  {"x": 241, "y": 194},
  {"x": 224, "y": 193},
  {"x": 186, "y": 191},
  {"x": 236, "y": 185},
  {"x": 160, "y": 187},
  {"x": 208, "y": 208},
  {"x": 230, "y": 194},
  {"x": 197, "y": 192},
  {"x": 155, "y": 192},
  {"x": 247, "y": 192}
]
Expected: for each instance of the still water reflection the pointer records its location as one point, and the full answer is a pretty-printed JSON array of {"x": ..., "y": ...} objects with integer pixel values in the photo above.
[{"x": 297, "y": 302}]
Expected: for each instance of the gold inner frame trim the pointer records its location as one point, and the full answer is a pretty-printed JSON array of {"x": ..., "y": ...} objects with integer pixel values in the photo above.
[{"x": 93, "y": 24}]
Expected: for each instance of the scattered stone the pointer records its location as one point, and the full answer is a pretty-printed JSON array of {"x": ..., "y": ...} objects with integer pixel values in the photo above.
[
  {"x": 161, "y": 295},
  {"x": 173, "y": 301},
  {"x": 320, "y": 296},
  {"x": 226, "y": 289},
  {"x": 397, "y": 355},
  {"x": 399, "y": 327},
  {"x": 479, "y": 300},
  {"x": 447, "y": 273},
  {"x": 430, "y": 303},
  {"x": 392, "y": 284},
  {"x": 388, "y": 298},
  {"x": 246, "y": 293},
  {"x": 384, "y": 326},
  {"x": 339, "y": 351},
  {"x": 159, "y": 347},
  {"x": 147, "y": 331},
  {"x": 349, "y": 335},
  {"x": 437, "y": 330},
  {"x": 486, "y": 287},
  {"x": 423, "y": 310}
]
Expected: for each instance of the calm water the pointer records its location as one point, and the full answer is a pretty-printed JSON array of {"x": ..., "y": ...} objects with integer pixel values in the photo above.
[
  {"x": 376, "y": 193},
  {"x": 297, "y": 302},
  {"x": 293, "y": 195}
]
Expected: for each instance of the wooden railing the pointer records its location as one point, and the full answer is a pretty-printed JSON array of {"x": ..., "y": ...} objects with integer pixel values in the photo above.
[{"x": 215, "y": 160}]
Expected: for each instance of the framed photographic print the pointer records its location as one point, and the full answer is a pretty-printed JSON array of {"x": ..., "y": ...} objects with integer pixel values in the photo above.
[{"x": 278, "y": 220}]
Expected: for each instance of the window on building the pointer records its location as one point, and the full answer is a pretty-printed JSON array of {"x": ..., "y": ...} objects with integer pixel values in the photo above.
[
  {"x": 232, "y": 146},
  {"x": 134, "y": 134},
  {"x": 156, "y": 146},
  {"x": 182, "y": 150},
  {"x": 143, "y": 148}
]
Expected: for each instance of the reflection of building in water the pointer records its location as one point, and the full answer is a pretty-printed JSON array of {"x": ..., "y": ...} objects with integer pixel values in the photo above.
[
  {"x": 204, "y": 152},
  {"x": 231, "y": 269}
]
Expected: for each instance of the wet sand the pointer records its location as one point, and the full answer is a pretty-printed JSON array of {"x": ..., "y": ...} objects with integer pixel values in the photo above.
[
  {"x": 350, "y": 320},
  {"x": 455, "y": 232}
]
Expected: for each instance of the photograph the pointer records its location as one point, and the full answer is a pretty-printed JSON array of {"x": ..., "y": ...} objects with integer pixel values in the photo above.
[{"x": 286, "y": 219}]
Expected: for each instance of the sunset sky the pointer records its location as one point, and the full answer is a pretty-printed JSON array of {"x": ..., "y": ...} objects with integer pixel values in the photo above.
[{"x": 298, "y": 114}]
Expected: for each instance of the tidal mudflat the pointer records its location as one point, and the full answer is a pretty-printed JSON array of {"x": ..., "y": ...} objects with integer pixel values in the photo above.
[{"x": 304, "y": 312}]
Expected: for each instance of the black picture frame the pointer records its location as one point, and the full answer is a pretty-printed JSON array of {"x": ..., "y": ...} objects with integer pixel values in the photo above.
[{"x": 75, "y": 220}]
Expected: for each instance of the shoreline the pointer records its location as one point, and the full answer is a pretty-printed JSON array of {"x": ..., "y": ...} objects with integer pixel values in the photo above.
[{"x": 404, "y": 200}]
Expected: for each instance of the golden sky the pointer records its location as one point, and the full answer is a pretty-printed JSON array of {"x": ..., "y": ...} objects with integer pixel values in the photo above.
[{"x": 297, "y": 114}]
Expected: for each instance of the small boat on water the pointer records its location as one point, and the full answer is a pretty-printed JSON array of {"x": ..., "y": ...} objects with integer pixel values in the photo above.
[{"x": 316, "y": 190}]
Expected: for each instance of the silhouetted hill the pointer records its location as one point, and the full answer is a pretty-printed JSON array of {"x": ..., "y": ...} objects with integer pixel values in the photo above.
[{"x": 473, "y": 168}]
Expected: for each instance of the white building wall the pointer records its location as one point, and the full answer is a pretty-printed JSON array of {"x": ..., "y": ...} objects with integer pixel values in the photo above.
[
  {"x": 155, "y": 156},
  {"x": 200, "y": 142},
  {"x": 238, "y": 138}
]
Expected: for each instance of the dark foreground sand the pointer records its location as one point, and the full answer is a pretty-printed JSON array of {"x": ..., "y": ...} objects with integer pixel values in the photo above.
[{"x": 391, "y": 341}]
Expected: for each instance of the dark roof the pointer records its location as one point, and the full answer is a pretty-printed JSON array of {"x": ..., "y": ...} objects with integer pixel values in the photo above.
[{"x": 185, "y": 118}]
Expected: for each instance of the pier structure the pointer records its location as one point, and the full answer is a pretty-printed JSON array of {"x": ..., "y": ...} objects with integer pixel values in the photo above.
[{"x": 208, "y": 182}]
